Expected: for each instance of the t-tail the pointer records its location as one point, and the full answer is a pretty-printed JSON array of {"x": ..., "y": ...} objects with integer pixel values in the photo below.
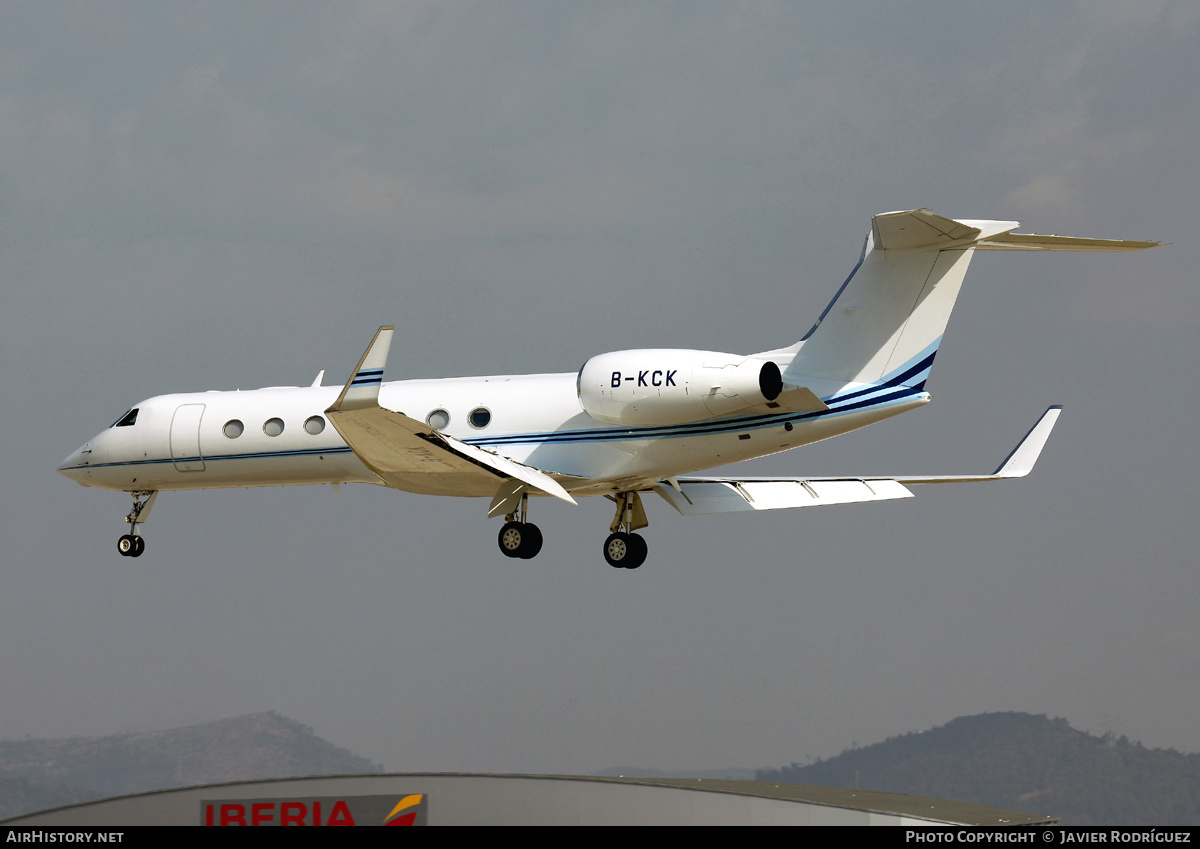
[{"x": 885, "y": 323}]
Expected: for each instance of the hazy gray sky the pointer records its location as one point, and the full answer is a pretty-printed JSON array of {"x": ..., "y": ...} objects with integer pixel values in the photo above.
[{"x": 214, "y": 195}]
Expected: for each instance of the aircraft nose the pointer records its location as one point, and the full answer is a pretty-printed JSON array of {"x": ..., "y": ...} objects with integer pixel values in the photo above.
[{"x": 76, "y": 465}]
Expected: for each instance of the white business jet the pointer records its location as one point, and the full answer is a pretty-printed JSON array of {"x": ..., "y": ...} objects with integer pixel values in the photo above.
[{"x": 627, "y": 423}]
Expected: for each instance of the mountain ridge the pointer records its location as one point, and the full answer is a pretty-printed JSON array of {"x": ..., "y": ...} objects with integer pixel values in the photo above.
[
  {"x": 39, "y": 774},
  {"x": 1024, "y": 762}
]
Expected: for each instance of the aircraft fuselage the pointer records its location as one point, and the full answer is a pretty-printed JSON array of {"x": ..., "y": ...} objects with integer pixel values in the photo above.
[{"x": 193, "y": 440}]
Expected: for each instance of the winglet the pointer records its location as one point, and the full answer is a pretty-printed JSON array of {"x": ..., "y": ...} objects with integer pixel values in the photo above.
[
  {"x": 1016, "y": 465},
  {"x": 362, "y": 389},
  {"x": 1020, "y": 462}
]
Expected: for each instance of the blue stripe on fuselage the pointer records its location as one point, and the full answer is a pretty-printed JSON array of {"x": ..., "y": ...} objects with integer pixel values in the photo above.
[
  {"x": 255, "y": 455},
  {"x": 707, "y": 427}
]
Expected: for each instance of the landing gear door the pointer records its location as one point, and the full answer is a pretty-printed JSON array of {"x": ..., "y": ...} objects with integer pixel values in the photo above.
[{"x": 185, "y": 438}]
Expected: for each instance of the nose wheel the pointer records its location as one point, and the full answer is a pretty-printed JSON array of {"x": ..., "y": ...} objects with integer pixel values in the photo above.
[{"x": 132, "y": 544}]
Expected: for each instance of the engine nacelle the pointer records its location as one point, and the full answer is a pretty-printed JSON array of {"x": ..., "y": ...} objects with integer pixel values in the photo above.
[{"x": 663, "y": 386}]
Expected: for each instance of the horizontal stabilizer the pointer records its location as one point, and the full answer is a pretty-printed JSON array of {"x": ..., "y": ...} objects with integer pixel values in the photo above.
[{"x": 1036, "y": 242}]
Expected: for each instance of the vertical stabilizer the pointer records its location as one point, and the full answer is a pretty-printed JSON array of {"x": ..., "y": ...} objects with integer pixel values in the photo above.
[{"x": 885, "y": 324}]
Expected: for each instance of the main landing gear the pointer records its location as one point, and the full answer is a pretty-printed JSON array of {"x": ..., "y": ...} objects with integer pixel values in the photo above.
[
  {"x": 518, "y": 537},
  {"x": 132, "y": 544},
  {"x": 624, "y": 549}
]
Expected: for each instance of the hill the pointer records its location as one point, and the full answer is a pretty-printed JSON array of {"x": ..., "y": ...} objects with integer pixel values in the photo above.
[
  {"x": 1024, "y": 762},
  {"x": 39, "y": 774}
]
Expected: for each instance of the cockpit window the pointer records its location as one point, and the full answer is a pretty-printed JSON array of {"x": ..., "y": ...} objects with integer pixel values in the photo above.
[{"x": 126, "y": 420}]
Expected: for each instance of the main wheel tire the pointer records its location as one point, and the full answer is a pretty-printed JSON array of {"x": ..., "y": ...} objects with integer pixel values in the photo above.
[
  {"x": 139, "y": 545},
  {"x": 616, "y": 550},
  {"x": 532, "y": 542},
  {"x": 512, "y": 537},
  {"x": 637, "y": 551},
  {"x": 126, "y": 545}
]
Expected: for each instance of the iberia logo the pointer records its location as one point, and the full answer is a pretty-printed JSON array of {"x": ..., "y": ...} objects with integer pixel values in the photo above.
[
  {"x": 398, "y": 817},
  {"x": 317, "y": 810}
]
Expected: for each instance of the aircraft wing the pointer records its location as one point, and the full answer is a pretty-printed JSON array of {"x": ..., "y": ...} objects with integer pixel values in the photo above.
[
  {"x": 694, "y": 496},
  {"x": 409, "y": 454}
]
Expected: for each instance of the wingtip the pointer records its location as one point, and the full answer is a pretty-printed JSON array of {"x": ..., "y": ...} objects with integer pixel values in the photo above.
[{"x": 1023, "y": 458}]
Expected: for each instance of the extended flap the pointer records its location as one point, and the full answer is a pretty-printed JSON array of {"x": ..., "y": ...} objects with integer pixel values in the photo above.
[{"x": 698, "y": 496}]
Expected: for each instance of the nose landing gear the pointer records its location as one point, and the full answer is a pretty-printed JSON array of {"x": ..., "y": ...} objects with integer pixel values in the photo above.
[{"x": 132, "y": 544}]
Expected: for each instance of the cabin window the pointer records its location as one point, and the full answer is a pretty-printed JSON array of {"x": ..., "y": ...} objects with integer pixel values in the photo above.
[
  {"x": 126, "y": 420},
  {"x": 438, "y": 419},
  {"x": 480, "y": 417},
  {"x": 233, "y": 428},
  {"x": 314, "y": 424},
  {"x": 273, "y": 427}
]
